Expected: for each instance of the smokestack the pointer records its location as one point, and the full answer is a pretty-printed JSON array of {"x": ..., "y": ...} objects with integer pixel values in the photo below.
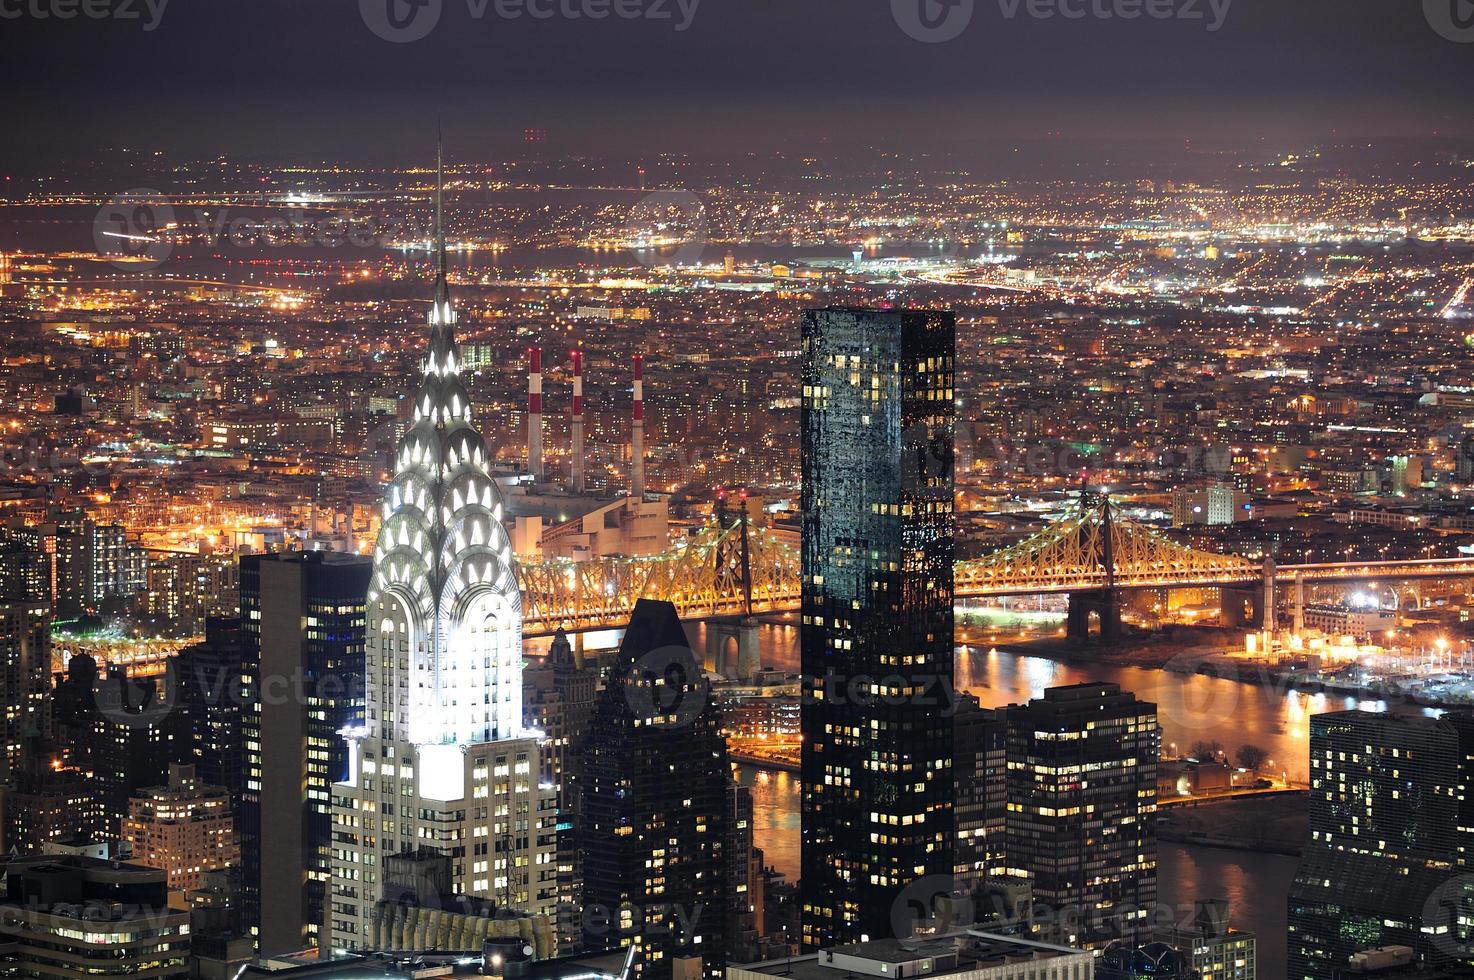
[
  {"x": 578, "y": 461},
  {"x": 535, "y": 413},
  {"x": 637, "y": 435}
]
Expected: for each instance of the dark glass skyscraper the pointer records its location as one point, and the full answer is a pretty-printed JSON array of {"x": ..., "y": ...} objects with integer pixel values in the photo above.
[
  {"x": 1387, "y": 860},
  {"x": 654, "y": 805},
  {"x": 302, "y": 643},
  {"x": 877, "y": 430}
]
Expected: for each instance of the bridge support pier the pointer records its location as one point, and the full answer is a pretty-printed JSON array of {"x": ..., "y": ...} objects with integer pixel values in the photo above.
[
  {"x": 1105, "y": 603},
  {"x": 1242, "y": 607},
  {"x": 748, "y": 659}
]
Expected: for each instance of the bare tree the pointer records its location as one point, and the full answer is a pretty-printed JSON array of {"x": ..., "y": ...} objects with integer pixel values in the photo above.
[
  {"x": 1251, "y": 757},
  {"x": 1207, "y": 750}
]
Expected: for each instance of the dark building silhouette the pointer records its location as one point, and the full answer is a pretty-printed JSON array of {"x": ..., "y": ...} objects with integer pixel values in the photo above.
[
  {"x": 1388, "y": 855},
  {"x": 877, "y": 443},
  {"x": 120, "y": 733},
  {"x": 560, "y": 703},
  {"x": 745, "y": 898},
  {"x": 210, "y": 696},
  {"x": 302, "y": 646},
  {"x": 1082, "y": 800},
  {"x": 654, "y": 834}
]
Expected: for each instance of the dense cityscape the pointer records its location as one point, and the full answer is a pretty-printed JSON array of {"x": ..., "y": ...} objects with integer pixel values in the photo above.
[{"x": 671, "y": 525}]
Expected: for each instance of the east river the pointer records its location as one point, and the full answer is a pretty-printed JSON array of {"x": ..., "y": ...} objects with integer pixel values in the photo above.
[{"x": 1191, "y": 708}]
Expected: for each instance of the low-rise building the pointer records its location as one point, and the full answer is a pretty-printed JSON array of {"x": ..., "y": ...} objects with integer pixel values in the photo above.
[{"x": 966, "y": 956}]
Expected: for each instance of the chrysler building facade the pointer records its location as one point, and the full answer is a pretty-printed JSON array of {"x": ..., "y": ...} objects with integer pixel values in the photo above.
[{"x": 443, "y": 762}]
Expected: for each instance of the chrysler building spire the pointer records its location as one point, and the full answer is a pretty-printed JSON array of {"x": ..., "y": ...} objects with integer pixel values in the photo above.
[
  {"x": 443, "y": 564},
  {"x": 443, "y": 758}
]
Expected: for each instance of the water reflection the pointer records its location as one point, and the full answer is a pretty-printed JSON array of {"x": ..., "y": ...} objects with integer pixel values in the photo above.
[{"x": 775, "y": 815}]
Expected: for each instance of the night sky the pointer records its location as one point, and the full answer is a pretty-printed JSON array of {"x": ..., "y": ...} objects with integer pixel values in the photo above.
[{"x": 308, "y": 78}]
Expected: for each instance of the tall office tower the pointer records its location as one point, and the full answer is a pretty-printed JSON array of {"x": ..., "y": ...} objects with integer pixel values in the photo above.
[
  {"x": 560, "y": 704},
  {"x": 744, "y": 879},
  {"x": 95, "y": 563},
  {"x": 74, "y": 916},
  {"x": 877, "y": 426},
  {"x": 119, "y": 732},
  {"x": 444, "y": 760},
  {"x": 1082, "y": 811},
  {"x": 302, "y": 647},
  {"x": 210, "y": 696},
  {"x": 184, "y": 829},
  {"x": 653, "y": 834},
  {"x": 980, "y": 767},
  {"x": 1464, "y": 463},
  {"x": 25, "y": 673},
  {"x": 1387, "y": 859},
  {"x": 25, "y": 569}
]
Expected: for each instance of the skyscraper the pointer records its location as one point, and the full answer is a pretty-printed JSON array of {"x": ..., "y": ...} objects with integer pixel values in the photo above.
[
  {"x": 211, "y": 698},
  {"x": 1387, "y": 859},
  {"x": 302, "y": 643},
  {"x": 1082, "y": 802},
  {"x": 25, "y": 670},
  {"x": 654, "y": 804},
  {"x": 980, "y": 765},
  {"x": 443, "y": 761},
  {"x": 877, "y": 431},
  {"x": 560, "y": 704}
]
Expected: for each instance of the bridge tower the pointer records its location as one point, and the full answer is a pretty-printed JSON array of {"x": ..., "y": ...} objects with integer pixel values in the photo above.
[
  {"x": 741, "y": 628},
  {"x": 1104, "y": 602}
]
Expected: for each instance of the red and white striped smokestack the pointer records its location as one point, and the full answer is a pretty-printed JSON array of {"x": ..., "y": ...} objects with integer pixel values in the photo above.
[
  {"x": 535, "y": 412},
  {"x": 637, "y": 434},
  {"x": 578, "y": 460}
]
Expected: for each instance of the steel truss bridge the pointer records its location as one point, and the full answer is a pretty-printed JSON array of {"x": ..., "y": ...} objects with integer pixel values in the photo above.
[{"x": 727, "y": 568}]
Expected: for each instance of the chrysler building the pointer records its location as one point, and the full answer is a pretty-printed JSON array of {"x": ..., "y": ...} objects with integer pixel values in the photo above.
[{"x": 443, "y": 762}]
